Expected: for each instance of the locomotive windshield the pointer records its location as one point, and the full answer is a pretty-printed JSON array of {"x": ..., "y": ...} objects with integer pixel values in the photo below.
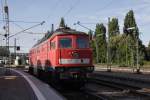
[
  {"x": 65, "y": 43},
  {"x": 82, "y": 43}
]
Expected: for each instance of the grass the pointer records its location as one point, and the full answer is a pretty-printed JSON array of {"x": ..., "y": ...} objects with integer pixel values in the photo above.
[{"x": 146, "y": 62}]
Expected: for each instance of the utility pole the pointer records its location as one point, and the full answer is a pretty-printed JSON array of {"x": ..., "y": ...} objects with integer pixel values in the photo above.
[
  {"x": 126, "y": 50},
  {"x": 6, "y": 27},
  {"x": 15, "y": 48},
  {"x": 97, "y": 51},
  {"x": 108, "y": 49},
  {"x": 137, "y": 54},
  {"x": 137, "y": 49}
]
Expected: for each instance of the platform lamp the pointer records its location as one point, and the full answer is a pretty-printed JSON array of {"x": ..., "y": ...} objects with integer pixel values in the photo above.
[{"x": 137, "y": 48}]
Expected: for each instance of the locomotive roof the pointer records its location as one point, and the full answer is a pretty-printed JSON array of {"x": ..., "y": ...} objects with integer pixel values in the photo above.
[
  {"x": 67, "y": 31},
  {"x": 60, "y": 31}
]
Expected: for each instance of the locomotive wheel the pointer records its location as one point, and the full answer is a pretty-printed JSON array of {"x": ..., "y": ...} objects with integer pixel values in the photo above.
[
  {"x": 54, "y": 79},
  {"x": 47, "y": 76},
  {"x": 39, "y": 74},
  {"x": 30, "y": 70}
]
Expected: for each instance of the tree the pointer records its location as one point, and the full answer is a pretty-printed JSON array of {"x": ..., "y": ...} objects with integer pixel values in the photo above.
[
  {"x": 132, "y": 36},
  {"x": 62, "y": 22},
  {"x": 100, "y": 33},
  {"x": 149, "y": 44},
  {"x": 92, "y": 44},
  {"x": 147, "y": 52},
  {"x": 113, "y": 27},
  {"x": 129, "y": 22},
  {"x": 118, "y": 49}
]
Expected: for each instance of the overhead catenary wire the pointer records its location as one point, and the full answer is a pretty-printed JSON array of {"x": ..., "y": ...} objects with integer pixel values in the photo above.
[
  {"x": 18, "y": 25},
  {"x": 54, "y": 8},
  {"x": 71, "y": 8},
  {"x": 100, "y": 10},
  {"x": 27, "y": 29},
  {"x": 21, "y": 21},
  {"x": 107, "y": 5}
]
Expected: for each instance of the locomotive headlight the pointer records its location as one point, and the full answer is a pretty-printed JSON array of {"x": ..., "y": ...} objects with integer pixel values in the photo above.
[{"x": 75, "y": 54}]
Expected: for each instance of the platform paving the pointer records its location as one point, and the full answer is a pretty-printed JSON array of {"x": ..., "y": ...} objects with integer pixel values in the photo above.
[
  {"x": 14, "y": 87},
  {"x": 19, "y": 85}
]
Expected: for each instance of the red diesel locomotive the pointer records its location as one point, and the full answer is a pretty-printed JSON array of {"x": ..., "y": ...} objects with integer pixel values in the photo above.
[{"x": 63, "y": 55}]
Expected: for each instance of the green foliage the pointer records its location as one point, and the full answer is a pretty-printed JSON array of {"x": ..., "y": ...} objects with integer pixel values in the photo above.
[
  {"x": 129, "y": 22},
  {"x": 62, "y": 22},
  {"x": 149, "y": 44},
  {"x": 4, "y": 51},
  {"x": 92, "y": 45},
  {"x": 123, "y": 47},
  {"x": 132, "y": 33},
  {"x": 115, "y": 50},
  {"x": 113, "y": 27},
  {"x": 147, "y": 50},
  {"x": 100, "y": 33}
]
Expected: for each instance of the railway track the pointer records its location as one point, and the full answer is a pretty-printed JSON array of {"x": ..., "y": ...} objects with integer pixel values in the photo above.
[
  {"x": 119, "y": 92},
  {"x": 96, "y": 89},
  {"x": 111, "y": 93},
  {"x": 124, "y": 92},
  {"x": 105, "y": 91}
]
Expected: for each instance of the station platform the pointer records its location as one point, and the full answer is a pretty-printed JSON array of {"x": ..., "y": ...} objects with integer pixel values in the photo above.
[{"x": 19, "y": 85}]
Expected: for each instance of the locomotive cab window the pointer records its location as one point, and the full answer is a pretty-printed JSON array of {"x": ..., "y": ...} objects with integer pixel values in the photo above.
[
  {"x": 65, "y": 43},
  {"x": 82, "y": 42}
]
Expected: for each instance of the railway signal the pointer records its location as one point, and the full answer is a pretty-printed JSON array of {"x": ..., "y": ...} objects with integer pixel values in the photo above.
[{"x": 18, "y": 48}]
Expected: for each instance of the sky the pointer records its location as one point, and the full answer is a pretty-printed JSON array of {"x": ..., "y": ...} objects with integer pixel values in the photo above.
[{"x": 27, "y": 13}]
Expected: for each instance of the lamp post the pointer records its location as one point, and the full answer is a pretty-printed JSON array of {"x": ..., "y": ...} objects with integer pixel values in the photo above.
[
  {"x": 137, "y": 49},
  {"x": 137, "y": 54}
]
